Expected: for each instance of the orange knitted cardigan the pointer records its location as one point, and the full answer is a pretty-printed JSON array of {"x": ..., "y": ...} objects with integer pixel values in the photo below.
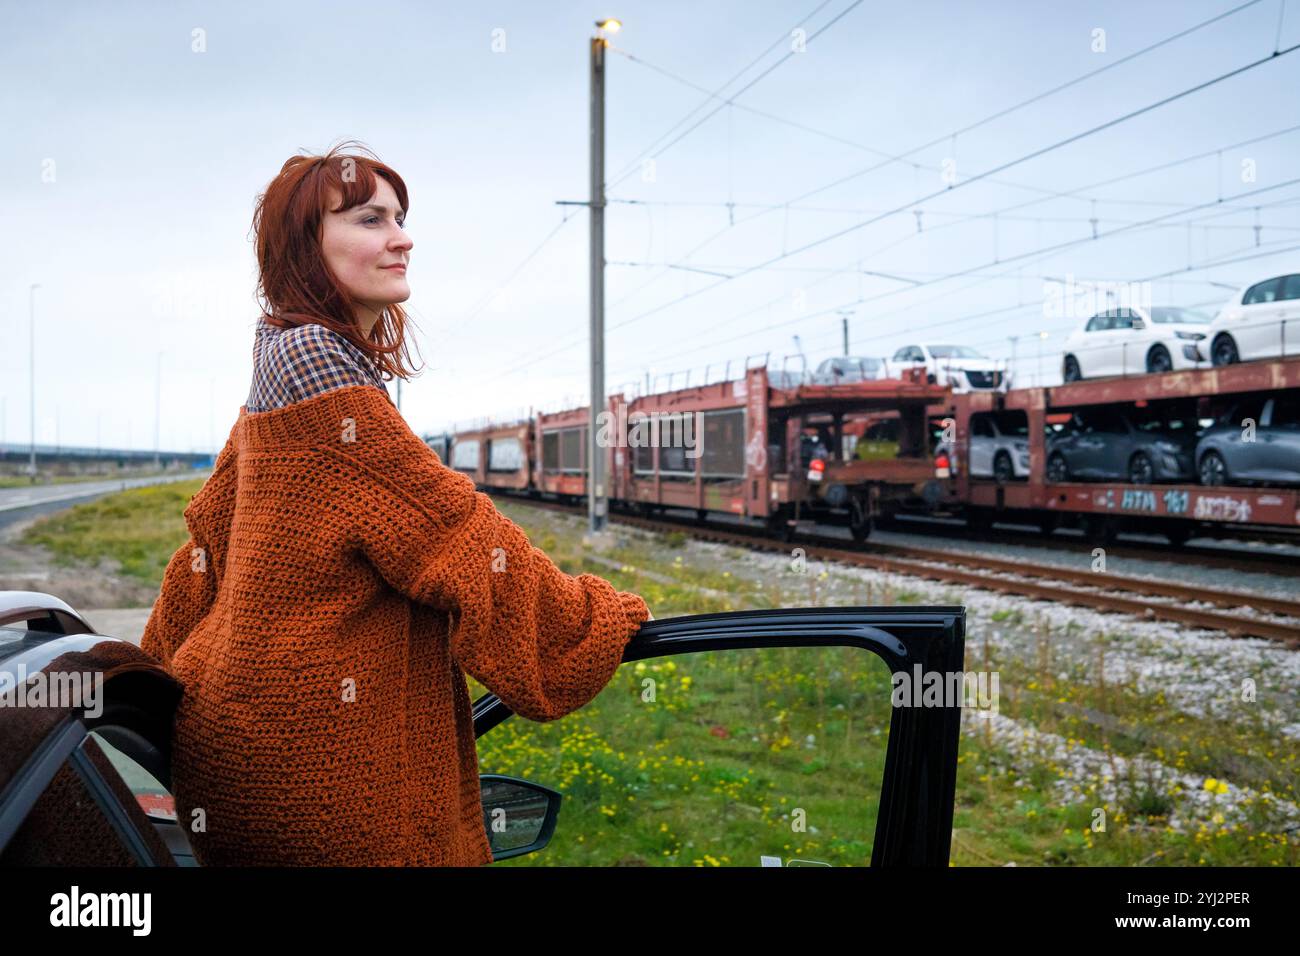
[{"x": 338, "y": 582}]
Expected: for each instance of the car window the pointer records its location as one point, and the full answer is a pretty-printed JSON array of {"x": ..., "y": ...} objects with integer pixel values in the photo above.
[
  {"x": 1286, "y": 412},
  {"x": 1252, "y": 408},
  {"x": 83, "y": 817},
  {"x": 1167, "y": 315},
  {"x": 1266, "y": 291},
  {"x": 1013, "y": 424},
  {"x": 1156, "y": 424},
  {"x": 901, "y": 355},
  {"x": 1098, "y": 323},
  {"x": 1104, "y": 422},
  {"x": 715, "y": 758},
  {"x": 151, "y": 795},
  {"x": 1290, "y": 287},
  {"x": 981, "y": 427}
]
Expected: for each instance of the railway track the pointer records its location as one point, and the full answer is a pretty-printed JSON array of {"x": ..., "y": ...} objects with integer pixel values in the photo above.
[
  {"x": 1096, "y": 590},
  {"x": 1202, "y": 555}
]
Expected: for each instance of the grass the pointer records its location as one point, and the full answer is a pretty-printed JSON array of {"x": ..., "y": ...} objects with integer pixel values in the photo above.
[{"x": 140, "y": 528}]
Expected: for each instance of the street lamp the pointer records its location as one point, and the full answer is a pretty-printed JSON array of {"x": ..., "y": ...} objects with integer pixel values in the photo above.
[
  {"x": 157, "y": 414},
  {"x": 31, "y": 340},
  {"x": 597, "y": 504}
]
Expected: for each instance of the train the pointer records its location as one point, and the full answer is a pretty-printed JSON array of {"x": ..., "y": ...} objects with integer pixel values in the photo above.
[{"x": 791, "y": 452}]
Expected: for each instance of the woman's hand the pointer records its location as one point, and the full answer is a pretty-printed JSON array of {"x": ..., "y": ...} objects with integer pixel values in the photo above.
[{"x": 652, "y": 615}]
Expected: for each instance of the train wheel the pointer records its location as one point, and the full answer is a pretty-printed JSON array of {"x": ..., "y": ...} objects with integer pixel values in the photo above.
[
  {"x": 979, "y": 519},
  {"x": 1100, "y": 529},
  {"x": 701, "y": 515},
  {"x": 779, "y": 527},
  {"x": 1047, "y": 524},
  {"x": 859, "y": 521},
  {"x": 1178, "y": 533}
]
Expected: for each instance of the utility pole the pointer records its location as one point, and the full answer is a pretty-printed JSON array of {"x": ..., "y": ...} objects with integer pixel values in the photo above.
[
  {"x": 597, "y": 502},
  {"x": 844, "y": 322}
]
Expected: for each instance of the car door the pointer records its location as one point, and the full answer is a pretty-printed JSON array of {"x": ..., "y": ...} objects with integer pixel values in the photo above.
[
  {"x": 1241, "y": 455},
  {"x": 67, "y": 798},
  {"x": 774, "y": 737},
  {"x": 1103, "y": 347},
  {"x": 1088, "y": 446},
  {"x": 1089, "y": 347},
  {"x": 1256, "y": 325},
  {"x": 1277, "y": 444},
  {"x": 1289, "y": 316},
  {"x": 1119, "y": 439},
  {"x": 983, "y": 444},
  {"x": 1128, "y": 350}
]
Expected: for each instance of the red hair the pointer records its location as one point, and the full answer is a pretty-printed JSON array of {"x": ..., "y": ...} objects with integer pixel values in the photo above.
[{"x": 295, "y": 287}]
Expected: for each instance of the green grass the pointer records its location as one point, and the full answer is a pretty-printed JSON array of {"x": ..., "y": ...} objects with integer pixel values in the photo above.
[
  {"x": 139, "y": 527},
  {"x": 718, "y": 768}
]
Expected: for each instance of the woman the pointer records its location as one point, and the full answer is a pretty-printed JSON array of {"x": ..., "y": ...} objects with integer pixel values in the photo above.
[{"x": 339, "y": 581}]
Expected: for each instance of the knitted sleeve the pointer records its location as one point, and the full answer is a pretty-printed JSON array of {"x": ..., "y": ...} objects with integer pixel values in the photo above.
[
  {"x": 544, "y": 641},
  {"x": 190, "y": 581},
  {"x": 189, "y": 587}
]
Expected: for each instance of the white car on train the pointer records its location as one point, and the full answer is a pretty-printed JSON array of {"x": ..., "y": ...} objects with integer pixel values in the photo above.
[
  {"x": 1132, "y": 340},
  {"x": 1260, "y": 321},
  {"x": 957, "y": 365}
]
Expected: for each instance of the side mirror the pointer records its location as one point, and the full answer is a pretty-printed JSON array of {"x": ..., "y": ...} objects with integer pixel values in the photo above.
[{"x": 518, "y": 815}]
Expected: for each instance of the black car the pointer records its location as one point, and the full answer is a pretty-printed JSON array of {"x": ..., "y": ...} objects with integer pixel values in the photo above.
[
  {"x": 1257, "y": 441},
  {"x": 1116, "y": 445},
  {"x": 84, "y": 782}
]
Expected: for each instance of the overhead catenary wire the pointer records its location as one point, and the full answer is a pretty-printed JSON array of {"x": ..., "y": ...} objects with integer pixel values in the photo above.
[
  {"x": 633, "y": 164},
  {"x": 1100, "y": 184},
  {"x": 952, "y": 135},
  {"x": 979, "y": 177},
  {"x": 1036, "y": 253}
]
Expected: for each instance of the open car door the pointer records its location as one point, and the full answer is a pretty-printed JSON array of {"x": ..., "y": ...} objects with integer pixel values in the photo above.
[{"x": 734, "y": 738}]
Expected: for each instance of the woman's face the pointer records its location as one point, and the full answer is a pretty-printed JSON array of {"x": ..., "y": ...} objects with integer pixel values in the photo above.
[{"x": 362, "y": 243}]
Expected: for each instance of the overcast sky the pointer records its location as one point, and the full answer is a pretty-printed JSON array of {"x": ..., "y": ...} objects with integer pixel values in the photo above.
[{"x": 133, "y": 160}]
